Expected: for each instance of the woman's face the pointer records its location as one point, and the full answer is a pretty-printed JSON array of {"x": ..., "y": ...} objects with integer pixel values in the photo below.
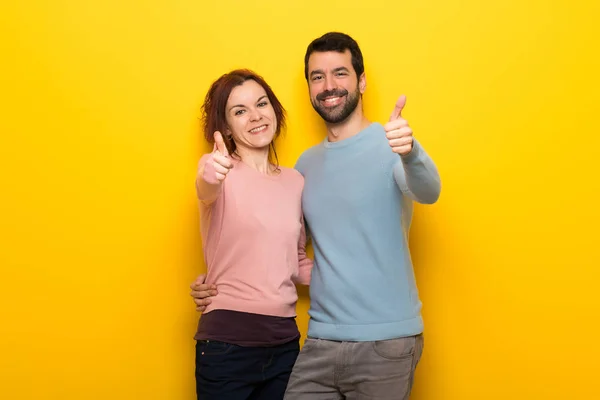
[{"x": 250, "y": 116}]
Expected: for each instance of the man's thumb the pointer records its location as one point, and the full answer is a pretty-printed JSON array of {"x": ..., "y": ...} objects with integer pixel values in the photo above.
[
  {"x": 397, "y": 113},
  {"x": 220, "y": 143}
]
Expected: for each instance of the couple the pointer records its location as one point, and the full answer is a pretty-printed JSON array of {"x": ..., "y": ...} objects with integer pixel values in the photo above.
[{"x": 354, "y": 192}]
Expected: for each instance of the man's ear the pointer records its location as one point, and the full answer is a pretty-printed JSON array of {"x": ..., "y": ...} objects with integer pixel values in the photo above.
[{"x": 362, "y": 83}]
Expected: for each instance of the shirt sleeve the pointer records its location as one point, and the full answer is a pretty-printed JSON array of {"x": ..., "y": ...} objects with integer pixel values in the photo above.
[{"x": 417, "y": 176}]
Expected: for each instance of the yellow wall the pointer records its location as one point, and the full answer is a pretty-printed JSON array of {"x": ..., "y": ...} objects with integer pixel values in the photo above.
[{"x": 99, "y": 143}]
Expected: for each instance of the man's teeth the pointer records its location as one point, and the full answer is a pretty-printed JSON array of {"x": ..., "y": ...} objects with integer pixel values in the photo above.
[{"x": 331, "y": 100}]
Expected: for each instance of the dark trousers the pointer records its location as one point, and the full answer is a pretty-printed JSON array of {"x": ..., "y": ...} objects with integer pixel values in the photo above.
[{"x": 229, "y": 372}]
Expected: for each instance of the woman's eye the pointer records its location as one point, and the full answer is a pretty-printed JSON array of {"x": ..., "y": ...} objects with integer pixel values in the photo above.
[
  {"x": 262, "y": 104},
  {"x": 239, "y": 112}
]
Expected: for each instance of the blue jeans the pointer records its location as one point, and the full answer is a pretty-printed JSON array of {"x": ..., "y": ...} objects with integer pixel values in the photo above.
[{"x": 229, "y": 372}]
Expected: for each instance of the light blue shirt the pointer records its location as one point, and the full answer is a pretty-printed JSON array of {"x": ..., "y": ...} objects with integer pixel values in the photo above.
[{"x": 358, "y": 202}]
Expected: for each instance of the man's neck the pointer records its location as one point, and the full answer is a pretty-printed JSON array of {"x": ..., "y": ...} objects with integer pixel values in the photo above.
[{"x": 351, "y": 126}]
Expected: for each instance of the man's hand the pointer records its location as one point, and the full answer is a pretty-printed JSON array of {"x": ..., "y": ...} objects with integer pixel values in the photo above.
[
  {"x": 221, "y": 164},
  {"x": 201, "y": 292},
  {"x": 397, "y": 131}
]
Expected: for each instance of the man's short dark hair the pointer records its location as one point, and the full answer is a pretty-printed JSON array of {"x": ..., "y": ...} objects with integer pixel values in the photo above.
[{"x": 336, "y": 41}]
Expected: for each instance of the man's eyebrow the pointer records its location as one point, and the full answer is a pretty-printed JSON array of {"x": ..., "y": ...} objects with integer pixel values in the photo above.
[
  {"x": 320, "y": 71},
  {"x": 338, "y": 69}
]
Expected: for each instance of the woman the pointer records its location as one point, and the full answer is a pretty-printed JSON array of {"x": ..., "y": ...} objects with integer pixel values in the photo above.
[{"x": 254, "y": 245}]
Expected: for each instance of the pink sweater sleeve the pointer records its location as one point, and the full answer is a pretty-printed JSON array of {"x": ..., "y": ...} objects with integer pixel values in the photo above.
[{"x": 305, "y": 264}]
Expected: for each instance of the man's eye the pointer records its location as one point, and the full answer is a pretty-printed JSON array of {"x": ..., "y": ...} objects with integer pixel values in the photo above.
[{"x": 315, "y": 78}]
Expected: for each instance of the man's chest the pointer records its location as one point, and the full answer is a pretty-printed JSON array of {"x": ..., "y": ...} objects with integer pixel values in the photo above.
[{"x": 345, "y": 188}]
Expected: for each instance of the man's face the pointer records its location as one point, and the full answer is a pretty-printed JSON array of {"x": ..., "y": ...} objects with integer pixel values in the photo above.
[{"x": 334, "y": 88}]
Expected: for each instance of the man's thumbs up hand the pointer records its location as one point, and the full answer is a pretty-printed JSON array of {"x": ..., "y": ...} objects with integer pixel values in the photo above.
[{"x": 397, "y": 131}]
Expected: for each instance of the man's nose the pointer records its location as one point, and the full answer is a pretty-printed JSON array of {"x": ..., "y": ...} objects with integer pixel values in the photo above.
[{"x": 330, "y": 84}]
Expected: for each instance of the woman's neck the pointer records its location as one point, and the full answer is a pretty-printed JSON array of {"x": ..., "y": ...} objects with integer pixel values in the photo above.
[{"x": 257, "y": 159}]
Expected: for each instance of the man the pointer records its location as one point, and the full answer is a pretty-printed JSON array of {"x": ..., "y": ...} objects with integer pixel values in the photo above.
[{"x": 365, "y": 330}]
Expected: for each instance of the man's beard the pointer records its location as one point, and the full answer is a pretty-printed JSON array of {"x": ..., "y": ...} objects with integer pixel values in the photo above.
[{"x": 336, "y": 114}]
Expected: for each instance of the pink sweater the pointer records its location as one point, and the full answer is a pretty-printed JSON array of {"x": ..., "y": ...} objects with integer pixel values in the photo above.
[{"x": 254, "y": 241}]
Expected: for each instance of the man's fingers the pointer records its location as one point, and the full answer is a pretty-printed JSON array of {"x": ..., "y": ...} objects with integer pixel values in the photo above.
[
  {"x": 202, "y": 294},
  {"x": 202, "y": 302},
  {"x": 395, "y": 124},
  {"x": 200, "y": 279},
  {"x": 402, "y": 150},
  {"x": 397, "y": 113},
  {"x": 400, "y": 141},
  {"x": 202, "y": 287},
  {"x": 398, "y": 133}
]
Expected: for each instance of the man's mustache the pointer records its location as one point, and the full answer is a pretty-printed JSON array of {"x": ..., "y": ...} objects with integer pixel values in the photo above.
[{"x": 332, "y": 93}]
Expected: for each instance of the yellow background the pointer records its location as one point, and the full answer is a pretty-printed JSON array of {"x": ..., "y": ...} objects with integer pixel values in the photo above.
[{"x": 100, "y": 139}]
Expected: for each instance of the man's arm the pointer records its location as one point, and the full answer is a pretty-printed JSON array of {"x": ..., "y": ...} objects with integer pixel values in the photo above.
[
  {"x": 305, "y": 264},
  {"x": 417, "y": 176},
  {"x": 415, "y": 173},
  {"x": 201, "y": 292}
]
